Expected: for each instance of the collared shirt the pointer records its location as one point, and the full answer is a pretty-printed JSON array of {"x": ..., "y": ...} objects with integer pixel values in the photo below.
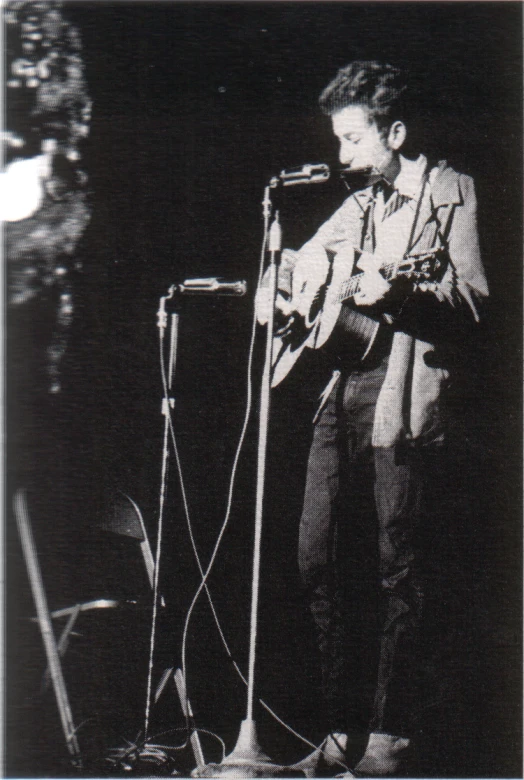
[{"x": 392, "y": 217}]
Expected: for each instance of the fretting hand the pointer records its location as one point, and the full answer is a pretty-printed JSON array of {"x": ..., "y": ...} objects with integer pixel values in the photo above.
[{"x": 373, "y": 287}]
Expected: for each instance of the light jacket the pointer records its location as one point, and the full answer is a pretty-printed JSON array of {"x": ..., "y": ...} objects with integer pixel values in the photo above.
[{"x": 408, "y": 403}]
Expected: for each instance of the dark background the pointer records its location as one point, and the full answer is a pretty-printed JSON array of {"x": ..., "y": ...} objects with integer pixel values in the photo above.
[{"x": 195, "y": 107}]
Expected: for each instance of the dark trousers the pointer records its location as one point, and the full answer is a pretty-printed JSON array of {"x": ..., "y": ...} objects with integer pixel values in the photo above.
[{"x": 365, "y": 596}]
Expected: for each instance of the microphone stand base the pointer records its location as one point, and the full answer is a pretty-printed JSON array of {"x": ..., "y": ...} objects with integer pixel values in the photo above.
[{"x": 247, "y": 760}]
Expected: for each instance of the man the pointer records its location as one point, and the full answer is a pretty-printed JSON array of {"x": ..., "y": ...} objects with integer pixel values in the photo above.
[{"x": 381, "y": 416}]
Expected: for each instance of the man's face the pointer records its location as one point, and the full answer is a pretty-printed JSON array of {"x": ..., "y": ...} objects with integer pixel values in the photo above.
[{"x": 361, "y": 144}]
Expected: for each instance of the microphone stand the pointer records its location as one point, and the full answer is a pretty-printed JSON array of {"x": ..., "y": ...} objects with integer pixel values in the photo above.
[
  {"x": 167, "y": 404},
  {"x": 248, "y": 760}
]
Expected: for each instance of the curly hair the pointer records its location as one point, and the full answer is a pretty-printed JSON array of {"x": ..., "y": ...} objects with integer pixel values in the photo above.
[{"x": 380, "y": 88}]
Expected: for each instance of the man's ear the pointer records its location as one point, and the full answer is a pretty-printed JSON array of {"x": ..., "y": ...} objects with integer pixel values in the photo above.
[{"x": 396, "y": 135}]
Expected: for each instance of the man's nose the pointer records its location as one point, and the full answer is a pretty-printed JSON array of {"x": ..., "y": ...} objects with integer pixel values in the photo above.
[{"x": 345, "y": 156}]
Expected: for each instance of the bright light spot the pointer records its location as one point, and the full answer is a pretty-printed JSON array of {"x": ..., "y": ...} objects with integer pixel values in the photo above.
[{"x": 21, "y": 190}]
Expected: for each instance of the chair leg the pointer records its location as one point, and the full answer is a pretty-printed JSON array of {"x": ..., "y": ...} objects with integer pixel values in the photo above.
[
  {"x": 62, "y": 645},
  {"x": 46, "y": 627}
]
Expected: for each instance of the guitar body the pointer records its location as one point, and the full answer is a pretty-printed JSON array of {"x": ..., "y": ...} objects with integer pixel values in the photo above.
[
  {"x": 358, "y": 328},
  {"x": 317, "y": 308},
  {"x": 323, "y": 312},
  {"x": 285, "y": 355}
]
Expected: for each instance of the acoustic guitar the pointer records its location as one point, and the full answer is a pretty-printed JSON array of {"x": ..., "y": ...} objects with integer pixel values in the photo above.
[{"x": 329, "y": 308}]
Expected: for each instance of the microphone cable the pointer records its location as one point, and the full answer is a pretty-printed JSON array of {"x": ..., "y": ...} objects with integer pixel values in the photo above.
[
  {"x": 205, "y": 574},
  {"x": 247, "y": 417}
]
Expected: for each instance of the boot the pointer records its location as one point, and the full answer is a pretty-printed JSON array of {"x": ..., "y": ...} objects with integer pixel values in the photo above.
[{"x": 385, "y": 756}]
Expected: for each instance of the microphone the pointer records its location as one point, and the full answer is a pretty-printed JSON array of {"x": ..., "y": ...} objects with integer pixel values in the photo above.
[
  {"x": 317, "y": 173},
  {"x": 310, "y": 173},
  {"x": 212, "y": 285}
]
